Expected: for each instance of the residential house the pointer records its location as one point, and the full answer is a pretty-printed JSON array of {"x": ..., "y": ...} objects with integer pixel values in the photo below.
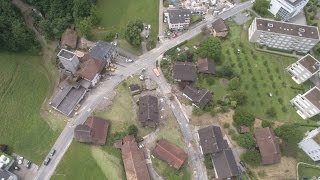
[
  {"x": 311, "y": 144},
  {"x": 213, "y": 145},
  {"x": 178, "y": 19},
  {"x": 148, "y": 113},
  {"x": 134, "y": 161},
  {"x": 199, "y": 98},
  {"x": 69, "y": 39},
  {"x": 103, "y": 51},
  {"x": 283, "y": 35},
  {"x": 286, "y": 9},
  {"x": 90, "y": 71},
  {"x": 268, "y": 145},
  {"x": 93, "y": 131},
  {"x": 219, "y": 28},
  {"x": 184, "y": 72},
  {"x": 69, "y": 60},
  {"x": 170, "y": 153},
  {"x": 304, "y": 68},
  {"x": 5, "y": 168},
  {"x": 135, "y": 89},
  {"x": 206, "y": 66},
  {"x": 308, "y": 104}
]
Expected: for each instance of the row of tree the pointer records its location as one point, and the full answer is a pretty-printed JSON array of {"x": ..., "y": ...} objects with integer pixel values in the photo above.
[{"x": 14, "y": 34}]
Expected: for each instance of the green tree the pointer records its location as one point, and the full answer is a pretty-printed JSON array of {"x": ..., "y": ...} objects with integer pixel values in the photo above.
[
  {"x": 110, "y": 36},
  {"x": 246, "y": 141},
  {"x": 240, "y": 97},
  {"x": 251, "y": 157},
  {"x": 132, "y": 33},
  {"x": 261, "y": 7},
  {"x": 132, "y": 130},
  {"x": 210, "y": 48},
  {"x": 84, "y": 27},
  {"x": 234, "y": 83},
  {"x": 271, "y": 112},
  {"x": 226, "y": 71},
  {"x": 265, "y": 124},
  {"x": 243, "y": 117}
]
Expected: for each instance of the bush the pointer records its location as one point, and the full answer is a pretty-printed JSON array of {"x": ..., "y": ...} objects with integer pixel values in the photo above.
[
  {"x": 133, "y": 130},
  {"x": 252, "y": 158},
  {"x": 110, "y": 36},
  {"x": 246, "y": 141},
  {"x": 231, "y": 132},
  {"x": 242, "y": 117},
  {"x": 226, "y": 71},
  {"x": 234, "y": 83},
  {"x": 226, "y": 125},
  {"x": 240, "y": 97},
  {"x": 271, "y": 112},
  {"x": 267, "y": 124}
]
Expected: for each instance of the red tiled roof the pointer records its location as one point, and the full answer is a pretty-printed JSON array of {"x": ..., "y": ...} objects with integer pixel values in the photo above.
[
  {"x": 99, "y": 128},
  {"x": 170, "y": 153},
  {"x": 90, "y": 68}
]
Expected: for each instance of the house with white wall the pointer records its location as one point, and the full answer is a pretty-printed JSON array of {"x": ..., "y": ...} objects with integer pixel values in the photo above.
[
  {"x": 310, "y": 144},
  {"x": 286, "y": 9}
]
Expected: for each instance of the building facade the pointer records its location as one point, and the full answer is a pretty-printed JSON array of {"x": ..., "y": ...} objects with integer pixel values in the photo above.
[
  {"x": 178, "y": 19},
  {"x": 286, "y": 9},
  {"x": 310, "y": 145},
  {"x": 282, "y": 35},
  {"x": 308, "y": 104},
  {"x": 69, "y": 60}
]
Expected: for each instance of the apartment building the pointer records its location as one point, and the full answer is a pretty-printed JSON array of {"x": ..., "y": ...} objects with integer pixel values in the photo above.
[
  {"x": 286, "y": 9},
  {"x": 178, "y": 19},
  {"x": 283, "y": 35},
  {"x": 308, "y": 104},
  {"x": 304, "y": 68},
  {"x": 310, "y": 144}
]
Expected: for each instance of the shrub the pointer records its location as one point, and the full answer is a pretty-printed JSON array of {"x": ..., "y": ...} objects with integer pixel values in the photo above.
[
  {"x": 110, "y": 36},
  {"x": 133, "y": 130},
  {"x": 251, "y": 157},
  {"x": 231, "y": 132},
  {"x": 226, "y": 125},
  {"x": 267, "y": 124},
  {"x": 271, "y": 112},
  {"x": 234, "y": 83},
  {"x": 240, "y": 97},
  {"x": 226, "y": 71},
  {"x": 246, "y": 141},
  {"x": 242, "y": 117}
]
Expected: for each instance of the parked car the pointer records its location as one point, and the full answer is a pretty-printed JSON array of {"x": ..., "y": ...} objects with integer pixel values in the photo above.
[
  {"x": 52, "y": 152},
  {"x": 46, "y": 162},
  {"x": 28, "y": 164},
  {"x": 20, "y": 160},
  {"x": 242, "y": 164},
  {"x": 129, "y": 60},
  {"x": 17, "y": 168}
]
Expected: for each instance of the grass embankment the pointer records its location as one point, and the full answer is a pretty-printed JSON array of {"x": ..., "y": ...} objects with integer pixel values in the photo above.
[
  {"x": 115, "y": 15},
  {"x": 24, "y": 87}
]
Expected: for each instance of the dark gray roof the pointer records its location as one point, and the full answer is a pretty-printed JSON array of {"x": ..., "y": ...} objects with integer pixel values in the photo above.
[
  {"x": 219, "y": 25},
  {"x": 7, "y": 175},
  {"x": 294, "y": 2},
  {"x": 184, "y": 71},
  {"x": 134, "y": 87},
  {"x": 310, "y": 63},
  {"x": 225, "y": 164},
  {"x": 179, "y": 15},
  {"x": 66, "y": 54},
  {"x": 82, "y": 133},
  {"x": 211, "y": 140},
  {"x": 199, "y": 97},
  {"x": 287, "y": 28},
  {"x": 102, "y": 50},
  {"x": 148, "y": 111},
  {"x": 313, "y": 96}
]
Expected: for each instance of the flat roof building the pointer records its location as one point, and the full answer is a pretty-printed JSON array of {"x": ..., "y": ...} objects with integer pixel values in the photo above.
[
  {"x": 311, "y": 144},
  {"x": 69, "y": 60},
  {"x": 178, "y": 19},
  {"x": 286, "y": 9}
]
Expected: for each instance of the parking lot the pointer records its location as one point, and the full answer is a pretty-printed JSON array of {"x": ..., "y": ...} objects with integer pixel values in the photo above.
[{"x": 23, "y": 172}]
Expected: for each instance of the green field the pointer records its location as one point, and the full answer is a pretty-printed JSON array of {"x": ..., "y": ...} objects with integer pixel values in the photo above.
[
  {"x": 24, "y": 87},
  {"x": 306, "y": 171},
  {"x": 115, "y": 14}
]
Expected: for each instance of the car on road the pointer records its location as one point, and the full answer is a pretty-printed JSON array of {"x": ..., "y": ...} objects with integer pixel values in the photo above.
[
  {"x": 17, "y": 168},
  {"x": 20, "y": 160},
  {"x": 129, "y": 60},
  {"x": 242, "y": 164},
  {"x": 28, "y": 164},
  {"x": 46, "y": 162},
  {"x": 52, "y": 152}
]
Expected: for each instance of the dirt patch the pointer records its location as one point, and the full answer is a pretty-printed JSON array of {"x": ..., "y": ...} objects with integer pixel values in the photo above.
[
  {"x": 286, "y": 169},
  {"x": 224, "y": 82}
]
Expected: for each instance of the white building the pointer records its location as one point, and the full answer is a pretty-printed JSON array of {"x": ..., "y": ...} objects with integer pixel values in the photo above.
[
  {"x": 304, "y": 68},
  {"x": 282, "y": 35},
  {"x": 308, "y": 104},
  {"x": 310, "y": 144},
  {"x": 286, "y": 9},
  {"x": 69, "y": 60},
  {"x": 178, "y": 19}
]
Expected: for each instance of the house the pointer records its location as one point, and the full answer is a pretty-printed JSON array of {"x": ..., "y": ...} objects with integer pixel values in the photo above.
[
  {"x": 206, "y": 66},
  {"x": 225, "y": 164},
  {"x": 213, "y": 145},
  {"x": 148, "y": 113},
  {"x": 286, "y": 9},
  {"x": 184, "y": 72},
  {"x": 67, "y": 97},
  {"x": 134, "y": 161},
  {"x": 7, "y": 175},
  {"x": 69, "y": 39},
  {"x": 178, "y": 19},
  {"x": 103, "y": 51},
  {"x": 268, "y": 145},
  {"x": 135, "y": 89},
  {"x": 211, "y": 140},
  {"x": 69, "y": 60},
  {"x": 244, "y": 129},
  {"x": 304, "y": 68},
  {"x": 94, "y": 131},
  {"x": 90, "y": 71},
  {"x": 219, "y": 28},
  {"x": 5, "y": 167},
  {"x": 199, "y": 98},
  {"x": 170, "y": 153},
  {"x": 311, "y": 144},
  {"x": 282, "y": 35},
  {"x": 308, "y": 104}
]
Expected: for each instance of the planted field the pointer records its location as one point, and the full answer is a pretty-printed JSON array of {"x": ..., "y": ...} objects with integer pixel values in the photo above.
[{"x": 24, "y": 87}]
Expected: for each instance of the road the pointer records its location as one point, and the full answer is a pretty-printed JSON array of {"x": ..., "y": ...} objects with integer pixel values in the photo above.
[{"x": 146, "y": 60}]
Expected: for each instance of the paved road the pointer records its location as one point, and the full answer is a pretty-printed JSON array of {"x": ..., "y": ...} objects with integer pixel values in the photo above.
[{"x": 146, "y": 60}]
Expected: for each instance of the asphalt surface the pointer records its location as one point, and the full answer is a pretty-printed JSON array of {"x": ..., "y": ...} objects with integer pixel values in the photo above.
[{"x": 103, "y": 90}]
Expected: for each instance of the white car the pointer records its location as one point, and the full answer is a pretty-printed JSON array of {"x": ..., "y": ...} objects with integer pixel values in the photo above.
[
  {"x": 20, "y": 160},
  {"x": 129, "y": 60}
]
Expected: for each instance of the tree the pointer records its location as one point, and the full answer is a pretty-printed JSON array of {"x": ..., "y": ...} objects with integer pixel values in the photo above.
[
  {"x": 84, "y": 27},
  {"x": 110, "y": 36},
  {"x": 240, "y": 97},
  {"x": 226, "y": 71},
  {"x": 271, "y": 112},
  {"x": 242, "y": 117},
  {"x": 251, "y": 157},
  {"x": 3, "y": 147},
  {"x": 210, "y": 48},
  {"x": 132, "y": 130},
  {"x": 234, "y": 83},
  {"x": 261, "y": 7},
  {"x": 265, "y": 124},
  {"x": 246, "y": 141},
  {"x": 132, "y": 33}
]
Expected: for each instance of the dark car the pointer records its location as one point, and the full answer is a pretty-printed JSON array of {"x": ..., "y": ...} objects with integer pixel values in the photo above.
[
  {"x": 52, "y": 152},
  {"x": 243, "y": 164},
  {"x": 28, "y": 164},
  {"x": 46, "y": 162}
]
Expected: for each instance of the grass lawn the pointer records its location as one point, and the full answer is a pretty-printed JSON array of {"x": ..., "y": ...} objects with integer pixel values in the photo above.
[
  {"x": 306, "y": 171},
  {"x": 115, "y": 14},
  {"x": 24, "y": 87},
  {"x": 170, "y": 173}
]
